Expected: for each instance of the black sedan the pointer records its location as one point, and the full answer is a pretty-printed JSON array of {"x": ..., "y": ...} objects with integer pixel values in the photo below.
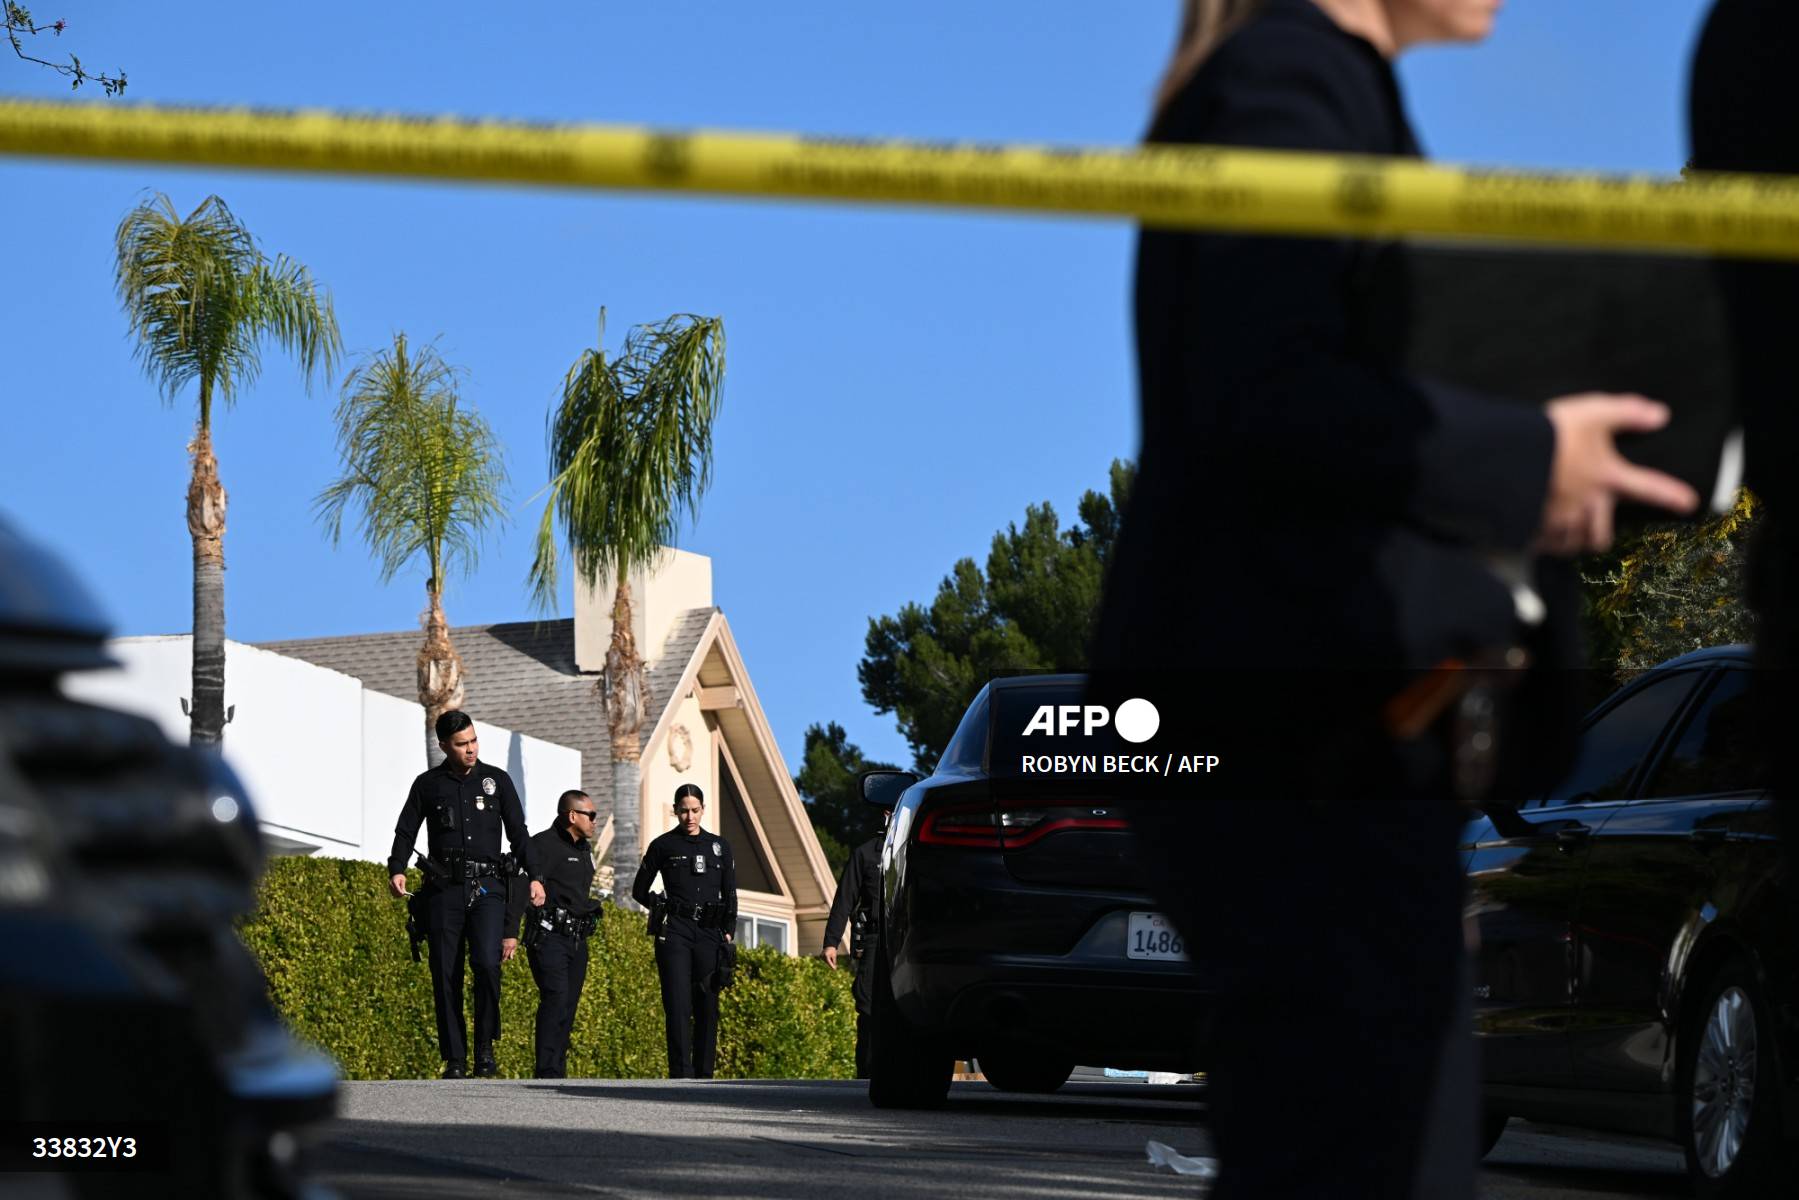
[
  {"x": 1638, "y": 968},
  {"x": 1014, "y": 926}
]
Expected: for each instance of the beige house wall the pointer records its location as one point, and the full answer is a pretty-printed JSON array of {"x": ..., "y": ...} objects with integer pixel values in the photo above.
[{"x": 677, "y": 581}]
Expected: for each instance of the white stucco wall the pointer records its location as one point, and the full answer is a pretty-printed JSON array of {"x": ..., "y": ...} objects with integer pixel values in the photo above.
[{"x": 327, "y": 762}]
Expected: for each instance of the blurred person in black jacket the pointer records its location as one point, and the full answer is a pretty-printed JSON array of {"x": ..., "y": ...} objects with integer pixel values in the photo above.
[
  {"x": 1743, "y": 116},
  {"x": 1308, "y": 526}
]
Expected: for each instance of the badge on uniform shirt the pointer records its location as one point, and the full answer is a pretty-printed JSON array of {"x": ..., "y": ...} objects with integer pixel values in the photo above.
[
  {"x": 488, "y": 785},
  {"x": 718, "y": 851}
]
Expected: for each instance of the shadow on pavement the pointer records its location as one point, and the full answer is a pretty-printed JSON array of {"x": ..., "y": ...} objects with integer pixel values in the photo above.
[{"x": 1106, "y": 1102}]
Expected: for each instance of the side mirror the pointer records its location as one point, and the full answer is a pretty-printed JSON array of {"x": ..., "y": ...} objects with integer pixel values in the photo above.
[
  {"x": 1506, "y": 821},
  {"x": 884, "y": 788}
]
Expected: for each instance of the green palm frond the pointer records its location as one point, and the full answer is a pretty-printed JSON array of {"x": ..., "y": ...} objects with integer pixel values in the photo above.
[
  {"x": 630, "y": 449},
  {"x": 201, "y": 298},
  {"x": 424, "y": 475}
]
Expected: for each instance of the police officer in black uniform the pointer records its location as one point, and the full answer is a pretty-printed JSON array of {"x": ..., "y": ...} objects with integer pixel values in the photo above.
[
  {"x": 463, "y": 802},
  {"x": 556, "y": 930},
  {"x": 692, "y": 920},
  {"x": 857, "y": 902}
]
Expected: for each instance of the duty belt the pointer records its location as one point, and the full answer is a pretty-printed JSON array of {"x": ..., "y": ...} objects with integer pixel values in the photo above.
[
  {"x": 577, "y": 925},
  {"x": 478, "y": 870},
  {"x": 709, "y": 916}
]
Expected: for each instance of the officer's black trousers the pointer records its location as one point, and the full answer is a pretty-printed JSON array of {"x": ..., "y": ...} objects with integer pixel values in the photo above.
[
  {"x": 559, "y": 965},
  {"x": 450, "y": 921},
  {"x": 863, "y": 992},
  {"x": 686, "y": 956},
  {"x": 1340, "y": 968}
]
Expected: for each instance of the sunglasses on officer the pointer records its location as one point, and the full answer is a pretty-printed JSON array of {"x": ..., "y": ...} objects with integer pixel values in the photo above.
[{"x": 589, "y": 813}]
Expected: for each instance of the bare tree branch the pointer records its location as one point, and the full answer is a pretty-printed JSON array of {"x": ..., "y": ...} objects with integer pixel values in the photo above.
[{"x": 19, "y": 20}]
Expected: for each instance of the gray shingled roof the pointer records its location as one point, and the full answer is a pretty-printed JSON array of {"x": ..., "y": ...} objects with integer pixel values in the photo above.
[{"x": 520, "y": 676}]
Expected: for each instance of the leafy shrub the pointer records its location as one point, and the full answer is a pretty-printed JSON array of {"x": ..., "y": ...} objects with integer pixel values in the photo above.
[{"x": 332, "y": 942}]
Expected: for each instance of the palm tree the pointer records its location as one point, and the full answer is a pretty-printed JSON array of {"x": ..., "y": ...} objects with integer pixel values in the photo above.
[
  {"x": 630, "y": 455},
  {"x": 426, "y": 477},
  {"x": 201, "y": 298}
]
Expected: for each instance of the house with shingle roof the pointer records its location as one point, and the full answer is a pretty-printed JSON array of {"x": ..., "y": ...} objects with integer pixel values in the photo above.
[{"x": 703, "y": 725}]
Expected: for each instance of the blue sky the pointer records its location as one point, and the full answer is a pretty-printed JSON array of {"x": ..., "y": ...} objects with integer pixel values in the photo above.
[{"x": 900, "y": 384}]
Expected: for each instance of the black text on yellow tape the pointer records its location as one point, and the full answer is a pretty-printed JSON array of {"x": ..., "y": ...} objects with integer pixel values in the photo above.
[{"x": 1188, "y": 187}]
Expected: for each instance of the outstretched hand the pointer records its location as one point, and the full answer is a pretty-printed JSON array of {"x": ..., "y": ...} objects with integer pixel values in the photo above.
[{"x": 1588, "y": 477}]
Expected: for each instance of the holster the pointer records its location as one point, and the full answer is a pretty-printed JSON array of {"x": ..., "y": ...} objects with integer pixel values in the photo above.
[
  {"x": 859, "y": 933},
  {"x": 415, "y": 922},
  {"x": 436, "y": 873},
  {"x": 658, "y": 916},
  {"x": 1465, "y": 702},
  {"x": 725, "y": 972},
  {"x": 539, "y": 921}
]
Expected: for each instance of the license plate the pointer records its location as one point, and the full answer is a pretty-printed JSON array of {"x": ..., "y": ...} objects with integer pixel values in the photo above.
[{"x": 1153, "y": 936}]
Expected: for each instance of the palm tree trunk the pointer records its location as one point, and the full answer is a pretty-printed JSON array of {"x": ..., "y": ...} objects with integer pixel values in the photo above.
[
  {"x": 439, "y": 669},
  {"x": 627, "y": 697},
  {"x": 206, "y": 525}
]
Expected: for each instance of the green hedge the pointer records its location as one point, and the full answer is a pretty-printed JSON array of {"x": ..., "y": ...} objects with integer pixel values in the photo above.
[{"x": 332, "y": 942}]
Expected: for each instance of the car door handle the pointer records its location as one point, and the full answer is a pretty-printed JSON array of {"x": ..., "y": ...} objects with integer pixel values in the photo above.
[
  {"x": 1711, "y": 835},
  {"x": 1572, "y": 834}
]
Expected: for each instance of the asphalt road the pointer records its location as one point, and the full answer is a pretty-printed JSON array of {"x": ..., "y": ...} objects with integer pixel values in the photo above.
[{"x": 782, "y": 1139}]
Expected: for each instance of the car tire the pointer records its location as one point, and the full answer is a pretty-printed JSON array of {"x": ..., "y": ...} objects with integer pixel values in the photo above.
[
  {"x": 907, "y": 1068},
  {"x": 1492, "y": 1128},
  {"x": 1728, "y": 1089},
  {"x": 1015, "y": 1071}
]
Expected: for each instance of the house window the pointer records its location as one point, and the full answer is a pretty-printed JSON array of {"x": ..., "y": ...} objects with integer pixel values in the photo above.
[{"x": 761, "y": 931}]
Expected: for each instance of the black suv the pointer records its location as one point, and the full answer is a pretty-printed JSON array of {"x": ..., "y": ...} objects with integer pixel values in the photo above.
[
  {"x": 1638, "y": 968},
  {"x": 1014, "y": 927},
  {"x": 128, "y": 1005}
]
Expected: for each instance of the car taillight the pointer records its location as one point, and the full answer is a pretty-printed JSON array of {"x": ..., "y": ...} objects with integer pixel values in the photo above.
[
  {"x": 982, "y": 826},
  {"x": 960, "y": 825}
]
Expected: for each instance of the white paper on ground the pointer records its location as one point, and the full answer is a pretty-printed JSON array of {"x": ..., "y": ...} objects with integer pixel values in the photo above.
[{"x": 1161, "y": 1155}]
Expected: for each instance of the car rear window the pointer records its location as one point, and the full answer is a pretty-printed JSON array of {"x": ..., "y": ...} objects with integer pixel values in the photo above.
[
  {"x": 1057, "y": 741},
  {"x": 963, "y": 754}
]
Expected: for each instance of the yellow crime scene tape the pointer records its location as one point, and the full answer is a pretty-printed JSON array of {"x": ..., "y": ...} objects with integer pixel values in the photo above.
[{"x": 1185, "y": 187}]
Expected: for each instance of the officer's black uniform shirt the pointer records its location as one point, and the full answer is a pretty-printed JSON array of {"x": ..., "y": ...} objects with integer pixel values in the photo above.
[
  {"x": 566, "y": 865},
  {"x": 673, "y": 854},
  {"x": 464, "y": 814},
  {"x": 859, "y": 889}
]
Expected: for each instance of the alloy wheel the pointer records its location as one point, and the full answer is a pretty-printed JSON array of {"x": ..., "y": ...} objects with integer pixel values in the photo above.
[{"x": 1724, "y": 1082}]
